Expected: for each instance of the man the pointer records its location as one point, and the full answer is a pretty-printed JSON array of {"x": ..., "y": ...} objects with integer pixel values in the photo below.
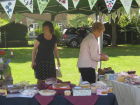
[{"x": 89, "y": 55}]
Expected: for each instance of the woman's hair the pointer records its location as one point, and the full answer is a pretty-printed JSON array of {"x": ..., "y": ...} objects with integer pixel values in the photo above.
[
  {"x": 50, "y": 25},
  {"x": 98, "y": 26}
]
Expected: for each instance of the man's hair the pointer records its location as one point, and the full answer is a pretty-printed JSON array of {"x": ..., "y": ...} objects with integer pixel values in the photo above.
[
  {"x": 50, "y": 25},
  {"x": 97, "y": 26}
]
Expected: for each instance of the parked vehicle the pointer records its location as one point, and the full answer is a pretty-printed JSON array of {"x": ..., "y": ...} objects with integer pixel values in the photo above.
[{"x": 72, "y": 37}]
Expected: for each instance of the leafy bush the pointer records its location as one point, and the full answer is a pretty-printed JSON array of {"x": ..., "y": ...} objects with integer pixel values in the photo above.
[{"x": 57, "y": 31}]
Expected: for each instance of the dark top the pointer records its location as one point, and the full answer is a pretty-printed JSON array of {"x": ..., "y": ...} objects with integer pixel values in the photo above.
[{"x": 45, "y": 48}]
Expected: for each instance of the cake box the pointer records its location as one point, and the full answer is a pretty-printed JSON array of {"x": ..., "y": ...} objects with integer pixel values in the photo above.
[{"x": 81, "y": 91}]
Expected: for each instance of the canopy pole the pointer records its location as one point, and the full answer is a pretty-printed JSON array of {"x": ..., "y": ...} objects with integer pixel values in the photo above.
[{"x": 100, "y": 41}]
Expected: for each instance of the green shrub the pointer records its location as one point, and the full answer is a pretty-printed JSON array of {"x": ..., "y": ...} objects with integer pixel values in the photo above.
[{"x": 57, "y": 31}]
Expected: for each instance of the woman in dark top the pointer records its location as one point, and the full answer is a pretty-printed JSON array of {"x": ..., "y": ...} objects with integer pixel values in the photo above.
[{"x": 45, "y": 48}]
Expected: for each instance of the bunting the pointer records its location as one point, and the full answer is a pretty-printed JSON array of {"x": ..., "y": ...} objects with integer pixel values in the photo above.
[
  {"x": 92, "y": 3},
  {"x": 75, "y": 3},
  {"x": 8, "y": 7},
  {"x": 28, "y": 4},
  {"x": 42, "y": 4},
  {"x": 138, "y": 2},
  {"x": 64, "y": 3},
  {"x": 127, "y": 5},
  {"x": 110, "y": 4}
]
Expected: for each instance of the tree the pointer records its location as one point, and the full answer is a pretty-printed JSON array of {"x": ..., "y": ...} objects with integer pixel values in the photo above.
[
  {"x": 79, "y": 20},
  {"x": 3, "y": 22}
]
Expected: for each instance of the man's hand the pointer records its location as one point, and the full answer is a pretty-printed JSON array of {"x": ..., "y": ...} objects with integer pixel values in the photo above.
[{"x": 104, "y": 57}]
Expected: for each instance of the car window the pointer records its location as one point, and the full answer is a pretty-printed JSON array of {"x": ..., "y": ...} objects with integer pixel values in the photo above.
[{"x": 71, "y": 31}]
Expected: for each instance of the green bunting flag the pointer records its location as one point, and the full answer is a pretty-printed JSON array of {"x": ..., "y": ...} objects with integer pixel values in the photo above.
[
  {"x": 8, "y": 6},
  {"x": 75, "y": 3},
  {"x": 42, "y": 4},
  {"x": 28, "y": 4},
  {"x": 127, "y": 5},
  {"x": 64, "y": 3},
  {"x": 92, "y": 3},
  {"x": 138, "y": 1}
]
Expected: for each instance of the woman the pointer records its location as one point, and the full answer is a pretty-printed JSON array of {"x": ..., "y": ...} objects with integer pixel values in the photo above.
[
  {"x": 89, "y": 54},
  {"x": 45, "y": 48}
]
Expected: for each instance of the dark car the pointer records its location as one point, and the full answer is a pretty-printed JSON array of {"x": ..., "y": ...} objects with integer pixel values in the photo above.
[{"x": 72, "y": 37}]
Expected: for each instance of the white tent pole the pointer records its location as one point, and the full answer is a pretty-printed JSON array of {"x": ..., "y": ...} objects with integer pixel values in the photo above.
[{"x": 100, "y": 42}]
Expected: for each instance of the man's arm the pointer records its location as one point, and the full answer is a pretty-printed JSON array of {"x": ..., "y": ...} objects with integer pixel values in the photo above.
[{"x": 95, "y": 55}]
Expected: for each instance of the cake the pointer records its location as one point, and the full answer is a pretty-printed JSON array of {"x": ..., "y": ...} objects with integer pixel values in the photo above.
[
  {"x": 47, "y": 92},
  {"x": 85, "y": 84},
  {"x": 3, "y": 92},
  {"x": 61, "y": 85}
]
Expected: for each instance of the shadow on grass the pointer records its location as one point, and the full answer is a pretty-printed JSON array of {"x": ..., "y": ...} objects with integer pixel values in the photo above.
[
  {"x": 23, "y": 55},
  {"x": 133, "y": 50}
]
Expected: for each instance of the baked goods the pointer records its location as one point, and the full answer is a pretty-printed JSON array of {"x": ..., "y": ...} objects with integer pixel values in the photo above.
[
  {"x": 29, "y": 92},
  {"x": 85, "y": 84},
  {"x": 3, "y": 92},
  {"x": 50, "y": 81},
  {"x": 121, "y": 79},
  {"x": 131, "y": 72},
  {"x": 102, "y": 92},
  {"x": 14, "y": 88},
  {"x": 110, "y": 89},
  {"x": 47, "y": 92},
  {"x": 61, "y": 86},
  {"x": 98, "y": 85},
  {"x": 67, "y": 92},
  {"x": 105, "y": 71}
]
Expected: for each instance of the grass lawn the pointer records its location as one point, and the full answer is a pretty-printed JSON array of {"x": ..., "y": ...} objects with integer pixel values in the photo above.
[{"x": 122, "y": 58}]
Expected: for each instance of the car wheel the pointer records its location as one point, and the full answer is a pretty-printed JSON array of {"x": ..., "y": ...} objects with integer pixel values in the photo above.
[
  {"x": 105, "y": 43},
  {"x": 74, "y": 43}
]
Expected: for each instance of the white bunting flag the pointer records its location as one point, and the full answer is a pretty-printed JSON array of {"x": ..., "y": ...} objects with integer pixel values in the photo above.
[
  {"x": 42, "y": 4},
  {"x": 138, "y": 2},
  {"x": 127, "y": 5},
  {"x": 75, "y": 3},
  {"x": 63, "y": 3},
  {"x": 28, "y": 4},
  {"x": 110, "y": 4},
  {"x": 9, "y": 6},
  {"x": 92, "y": 3}
]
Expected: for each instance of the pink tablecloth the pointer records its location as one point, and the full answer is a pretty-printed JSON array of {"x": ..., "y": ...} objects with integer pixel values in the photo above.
[
  {"x": 75, "y": 100},
  {"x": 82, "y": 100},
  {"x": 44, "y": 100}
]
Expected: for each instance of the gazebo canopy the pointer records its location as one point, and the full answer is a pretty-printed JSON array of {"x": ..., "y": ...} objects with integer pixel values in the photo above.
[{"x": 83, "y": 7}]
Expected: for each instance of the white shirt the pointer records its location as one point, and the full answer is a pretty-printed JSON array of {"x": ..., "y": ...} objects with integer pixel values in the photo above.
[{"x": 89, "y": 52}]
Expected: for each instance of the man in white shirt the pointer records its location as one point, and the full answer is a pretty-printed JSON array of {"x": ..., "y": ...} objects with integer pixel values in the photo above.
[{"x": 89, "y": 55}]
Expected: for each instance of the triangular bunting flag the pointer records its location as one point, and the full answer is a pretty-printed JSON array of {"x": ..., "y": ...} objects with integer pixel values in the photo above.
[
  {"x": 110, "y": 4},
  {"x": 42, "y": 4},
  {"x": 92, "y": 3},
  {"x": 75, "y": 3},
  {"x": 9, "y": 6},
  {"x": 28, "y": 4},
  {"x": 127, "y": 5},
  {"x": 138, "y": 1},
  {"x": 63, "y": 3}
]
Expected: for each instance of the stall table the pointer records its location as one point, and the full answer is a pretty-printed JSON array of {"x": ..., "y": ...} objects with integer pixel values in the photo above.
[
  {"x": 58, "y": 100},
  {"x": 126, "y": 94}
]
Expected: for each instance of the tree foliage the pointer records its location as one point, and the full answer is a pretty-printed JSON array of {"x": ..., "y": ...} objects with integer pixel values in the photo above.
[
  {"x": 3, "y": 22},
  {"x": 80, "y": 20}
]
